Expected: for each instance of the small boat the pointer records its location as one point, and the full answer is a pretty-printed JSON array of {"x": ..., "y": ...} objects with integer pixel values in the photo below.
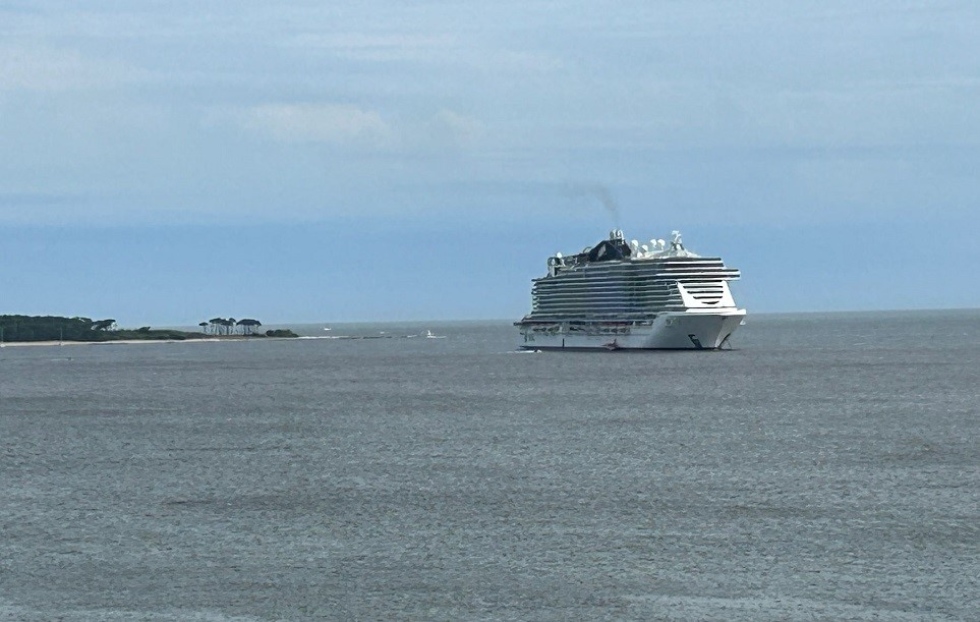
[{"x": 429, "y": 335}]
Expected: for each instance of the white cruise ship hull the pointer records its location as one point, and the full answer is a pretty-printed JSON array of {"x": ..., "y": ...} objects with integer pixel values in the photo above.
[{"x": 689, "y": 330}]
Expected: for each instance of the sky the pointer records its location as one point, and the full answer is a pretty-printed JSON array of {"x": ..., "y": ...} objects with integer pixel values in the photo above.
[{"x": 314, "y": 161}]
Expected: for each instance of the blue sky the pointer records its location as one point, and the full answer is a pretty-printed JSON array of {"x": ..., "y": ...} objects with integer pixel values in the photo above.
[{"x": 165, "y": 162}]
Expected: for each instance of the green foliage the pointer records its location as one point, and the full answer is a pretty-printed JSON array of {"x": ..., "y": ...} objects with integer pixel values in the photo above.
[
  {"x": 146, "y": 333},
  {"x": 54, "y": 328},
  {"x": 48, "y": 328},
  {"x": 17, "y": 328}
]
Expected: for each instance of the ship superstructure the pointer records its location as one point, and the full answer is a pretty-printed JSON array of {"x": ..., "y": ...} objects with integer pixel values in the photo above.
[{"x": 627, "y": 295}]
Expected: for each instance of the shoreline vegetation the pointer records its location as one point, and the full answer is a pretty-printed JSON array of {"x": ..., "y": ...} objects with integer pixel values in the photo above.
[{"x": 49, "y": 329}]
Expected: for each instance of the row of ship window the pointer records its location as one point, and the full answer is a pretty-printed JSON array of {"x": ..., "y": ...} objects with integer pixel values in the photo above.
[{"x": 590, "y": 330}]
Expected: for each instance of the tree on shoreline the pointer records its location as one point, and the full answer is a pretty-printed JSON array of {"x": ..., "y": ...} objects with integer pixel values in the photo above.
[
  {"x": 29, "y": 328},
  {"x": 230, "y": 326},
  {"x": 104, "y": 325},
  {"x": 249, "y": 326}
]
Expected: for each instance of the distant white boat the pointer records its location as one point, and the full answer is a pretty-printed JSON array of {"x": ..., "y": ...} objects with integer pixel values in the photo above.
[
  {"x": 429, "y": 335},
  {"x": 326, "y": 328}
]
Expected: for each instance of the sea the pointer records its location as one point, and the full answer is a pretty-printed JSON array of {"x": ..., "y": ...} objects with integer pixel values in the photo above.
[{"x": 827, "y": 467}]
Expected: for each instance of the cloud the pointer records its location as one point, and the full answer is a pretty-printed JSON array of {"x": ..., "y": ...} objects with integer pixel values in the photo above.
[
  {"x": 45, "y": 69},
  {"x": 201, "y": 111},
  {"x": 376, "y": 47},
  {"x": 464, "y": 131},
  {"x": 477, "y": 53},
  {"x": 353, "y": 126},
  {"x": 316, "y": 123},
  {"x": 518, "y": 61}
]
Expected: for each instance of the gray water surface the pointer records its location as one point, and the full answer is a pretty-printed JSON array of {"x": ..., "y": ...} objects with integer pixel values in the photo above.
[{"x": 828, "y": 468}]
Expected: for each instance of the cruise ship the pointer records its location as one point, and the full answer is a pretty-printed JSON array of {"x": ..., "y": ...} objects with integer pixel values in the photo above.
[{"x": 620, "y": 295}]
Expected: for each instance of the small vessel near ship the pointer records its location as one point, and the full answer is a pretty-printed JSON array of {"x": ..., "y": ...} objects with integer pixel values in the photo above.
[{"x": 620, "y": 295}]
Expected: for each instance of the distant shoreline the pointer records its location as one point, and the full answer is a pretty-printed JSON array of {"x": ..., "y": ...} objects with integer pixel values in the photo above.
[
  {"x": 49, "y": 330},
  {"x": 131, "y": 342}
]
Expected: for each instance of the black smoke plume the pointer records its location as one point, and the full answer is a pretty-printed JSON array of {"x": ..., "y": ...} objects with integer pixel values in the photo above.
[{"x": 596, "y": 193}]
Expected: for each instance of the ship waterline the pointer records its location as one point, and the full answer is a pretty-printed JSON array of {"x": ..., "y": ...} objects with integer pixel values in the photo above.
[
  {"x": 626, "y": 296},
  {"x": 670, "y": 331}
]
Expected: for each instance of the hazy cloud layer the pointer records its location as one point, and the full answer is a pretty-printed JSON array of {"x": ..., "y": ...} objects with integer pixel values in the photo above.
[
  {"x": 39, "y": 68},
  {"x": 326, "y": 123},
  {"x": 304, "y": 110}
]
